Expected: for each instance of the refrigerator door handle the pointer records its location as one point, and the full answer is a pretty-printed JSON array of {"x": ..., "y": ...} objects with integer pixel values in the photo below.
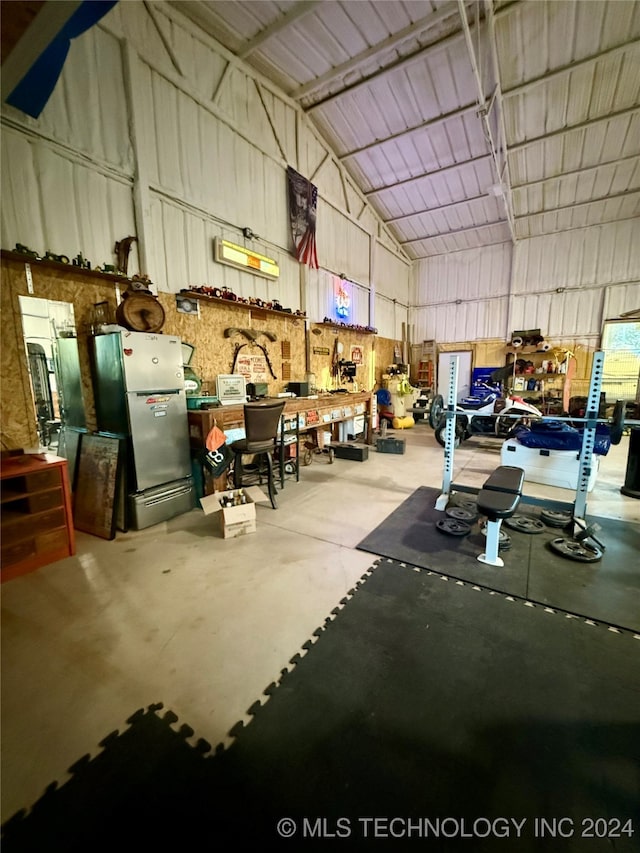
[
  {"x": 156, "y": 391},
  {"x": 169, "y": 496}
]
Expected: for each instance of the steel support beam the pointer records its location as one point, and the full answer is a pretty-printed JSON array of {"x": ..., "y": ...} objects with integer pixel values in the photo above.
[{"x": 496, "y": 147}]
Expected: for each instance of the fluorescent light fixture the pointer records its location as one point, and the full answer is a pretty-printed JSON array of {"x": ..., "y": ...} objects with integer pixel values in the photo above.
[{"x": 245, "y": 259}]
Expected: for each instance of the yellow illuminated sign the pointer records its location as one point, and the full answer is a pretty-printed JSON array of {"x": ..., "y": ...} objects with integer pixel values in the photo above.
[{"x": 246, "y": 259}]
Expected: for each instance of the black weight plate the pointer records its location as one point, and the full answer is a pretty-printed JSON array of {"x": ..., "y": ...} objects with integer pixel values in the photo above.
[
  {"x": 556, "y": 519},
  {"x": 453, "y": 527},
  {"x": 436, "y": 410},
  {"x": 504, "y": 540},
  {"x": 460, "y": 513},
  {"x": 524, "y": 524},
  {"x": 576, "y": 550},
  {"x": 472, "y": 506}
]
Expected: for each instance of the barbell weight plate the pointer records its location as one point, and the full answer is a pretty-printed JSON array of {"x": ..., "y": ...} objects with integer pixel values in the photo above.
[
  {"x": 616, "y": 428},
  {"x": 524, "y": 524},
  {"x": 461, "y": 513},
  {"x": 504, "y": 540},
  {"x": 556, "y": 519},
  {"x": 453, "y": 527},
  {"x": 436, "y": 410},
  {"x": 577, "y": 551}
]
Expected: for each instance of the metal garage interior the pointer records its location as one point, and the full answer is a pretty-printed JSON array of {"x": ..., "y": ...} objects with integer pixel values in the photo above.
[{"x": 478, "y": 172}]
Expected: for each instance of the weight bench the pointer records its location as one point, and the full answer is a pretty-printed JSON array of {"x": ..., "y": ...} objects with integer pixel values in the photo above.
[{"x": 497, "y": 499}]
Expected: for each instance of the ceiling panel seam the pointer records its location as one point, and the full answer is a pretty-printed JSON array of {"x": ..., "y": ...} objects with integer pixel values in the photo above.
[
  {"x": 441, "y": 207},
  {"x": 410, "y": 33},
  {"x": 507, "y": 242},
  {"x": 576, "y": 204},
  {"x": 520, "y": 146},
  {"x": 521, "y": 88},
  {"x": 454, "y": 233},
  {"x": 583, "y": 170},
  {"x": 426, "y": 125},
  {"x": 428, "y": 175},
  {"x": 405, "y": 61}
]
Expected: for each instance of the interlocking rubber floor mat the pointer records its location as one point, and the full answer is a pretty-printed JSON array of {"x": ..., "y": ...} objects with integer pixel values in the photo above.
[
  {"x": 425, "y": 713},
  {"x": 608, "y": 590}
]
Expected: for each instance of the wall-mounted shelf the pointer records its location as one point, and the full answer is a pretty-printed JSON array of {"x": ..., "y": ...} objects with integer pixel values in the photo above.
[
  {"x": 216, "y": 300},
  {"x": 347, "y": 328},
  {"x": 23, "y": 258}
]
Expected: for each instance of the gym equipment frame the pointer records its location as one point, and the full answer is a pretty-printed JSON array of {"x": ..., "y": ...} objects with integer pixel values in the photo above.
[{"x": 578, "y": 508}]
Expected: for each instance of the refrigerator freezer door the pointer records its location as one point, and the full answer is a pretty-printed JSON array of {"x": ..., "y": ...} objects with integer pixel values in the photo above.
[
  {"x": 159, "y": 437},
  {"x": 162, "y": 503},
  {"x": 151, "y": 362}
]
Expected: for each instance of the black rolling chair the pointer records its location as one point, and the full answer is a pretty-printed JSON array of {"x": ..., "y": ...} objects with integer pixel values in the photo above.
[{"x": 261, "y": 430}]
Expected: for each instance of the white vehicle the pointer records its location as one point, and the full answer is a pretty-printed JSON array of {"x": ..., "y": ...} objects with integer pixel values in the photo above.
[{"x": 477, "y": 415}]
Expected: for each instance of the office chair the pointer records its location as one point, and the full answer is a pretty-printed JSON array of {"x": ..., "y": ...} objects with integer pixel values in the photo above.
[{"x": 261, "y": 430}]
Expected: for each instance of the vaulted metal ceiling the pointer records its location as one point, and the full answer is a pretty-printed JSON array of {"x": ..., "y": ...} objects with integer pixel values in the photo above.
[{"x": 463, "y": 123}]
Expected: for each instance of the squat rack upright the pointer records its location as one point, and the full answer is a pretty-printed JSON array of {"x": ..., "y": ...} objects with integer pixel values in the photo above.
[{"x": 578, "y": 508}]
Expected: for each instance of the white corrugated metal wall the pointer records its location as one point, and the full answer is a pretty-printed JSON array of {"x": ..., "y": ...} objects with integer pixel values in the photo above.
[
  {"x": 154, "y": 130},
  {"x": 566, "y": 284}
]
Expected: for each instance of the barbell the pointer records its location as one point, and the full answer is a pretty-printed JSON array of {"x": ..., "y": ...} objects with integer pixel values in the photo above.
[{"x": 617, "y": 422}]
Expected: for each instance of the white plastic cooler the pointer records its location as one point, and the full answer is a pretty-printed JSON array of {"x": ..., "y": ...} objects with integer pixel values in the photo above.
[{"x": 548, "y": 467}]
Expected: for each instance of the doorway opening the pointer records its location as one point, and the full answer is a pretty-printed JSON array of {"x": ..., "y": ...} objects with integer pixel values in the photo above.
[{"x": 621, "y": 372}]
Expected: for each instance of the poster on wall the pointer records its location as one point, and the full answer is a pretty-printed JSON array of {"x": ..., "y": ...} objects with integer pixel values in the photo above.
[
  {"x": 357, "y": 355},
  {"x": 253, "y": 367},
  {"x": 303, "y": 204}
]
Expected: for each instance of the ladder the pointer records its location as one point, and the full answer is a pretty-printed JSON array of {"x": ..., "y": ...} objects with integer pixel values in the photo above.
[{"x": 425, "y": 374}]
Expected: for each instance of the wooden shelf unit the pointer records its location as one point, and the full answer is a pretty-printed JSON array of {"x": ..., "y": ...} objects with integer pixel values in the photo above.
[
  {"x": 556, "y": 387},
  {"x": 37, "y": 520}
]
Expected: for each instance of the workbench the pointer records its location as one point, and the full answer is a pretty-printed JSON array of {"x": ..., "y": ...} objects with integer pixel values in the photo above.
[{"x": 320, "y": 414}]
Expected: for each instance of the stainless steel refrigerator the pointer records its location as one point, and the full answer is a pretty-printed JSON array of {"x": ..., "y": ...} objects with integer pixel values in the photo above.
[{"x": 140, "y": 395}]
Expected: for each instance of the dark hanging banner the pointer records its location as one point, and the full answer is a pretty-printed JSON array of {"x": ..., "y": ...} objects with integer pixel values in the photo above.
[{"x": 303, "y": 203}]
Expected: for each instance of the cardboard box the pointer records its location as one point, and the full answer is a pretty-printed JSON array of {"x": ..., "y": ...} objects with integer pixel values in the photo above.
[
  {"x": 235, "y": 520},
  {"x": 390, "y": 445}
]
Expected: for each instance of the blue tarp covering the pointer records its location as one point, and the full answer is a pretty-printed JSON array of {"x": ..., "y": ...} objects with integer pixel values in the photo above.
[
  {"x": 559, "y": 435},
  {"x": 34, "y": 90}
]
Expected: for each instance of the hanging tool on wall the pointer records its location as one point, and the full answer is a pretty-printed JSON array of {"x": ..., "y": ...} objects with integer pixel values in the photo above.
[
  {"x": 249, "y": 334},
  {"x": 239, "y": 347}
]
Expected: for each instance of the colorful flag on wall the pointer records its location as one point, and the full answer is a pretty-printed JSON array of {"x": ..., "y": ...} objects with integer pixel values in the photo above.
[{"x": 303, "y": 203}]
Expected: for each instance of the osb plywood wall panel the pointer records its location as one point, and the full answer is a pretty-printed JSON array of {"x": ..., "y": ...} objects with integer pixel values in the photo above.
[
  {"x": 385, "y": 348},
  {"x": 324, "y": 336},
  {"x": 491, "y": 353},
  {"x": 214, "y": 352},
  {"x": 66, "y": 285}
]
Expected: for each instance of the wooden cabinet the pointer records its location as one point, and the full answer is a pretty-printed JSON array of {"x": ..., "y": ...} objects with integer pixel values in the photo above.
[{"x": 36, "y": 521}]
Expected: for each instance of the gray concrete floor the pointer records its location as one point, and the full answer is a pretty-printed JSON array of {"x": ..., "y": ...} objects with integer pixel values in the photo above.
[{"x": 175, "y": 614}]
